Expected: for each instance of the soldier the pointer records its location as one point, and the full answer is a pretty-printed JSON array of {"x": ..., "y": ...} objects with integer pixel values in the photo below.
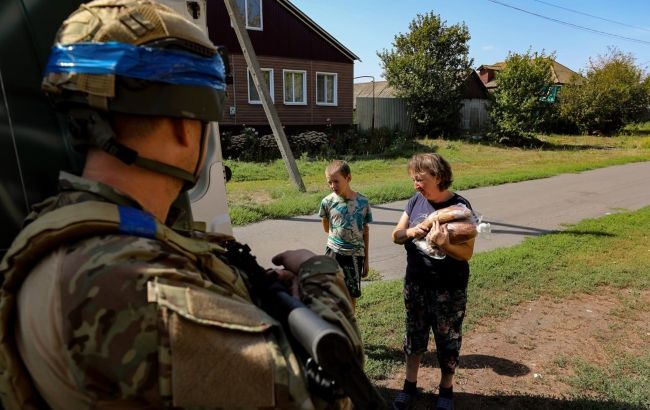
[{"x": 103, "y": 305}]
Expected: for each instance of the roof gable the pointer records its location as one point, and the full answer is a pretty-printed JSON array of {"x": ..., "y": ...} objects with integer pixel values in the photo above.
[
  {"x": 287, "y": 32},
  {"x": 473, "y": 87},
  {"x": 318, "y": 29},
  {"x": 560, "y": 74}
]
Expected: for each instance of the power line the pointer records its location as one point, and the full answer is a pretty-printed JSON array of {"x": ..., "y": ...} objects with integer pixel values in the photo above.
[
  {"x": 636, "y": 40},
  {"x": 591, "y": 15}
]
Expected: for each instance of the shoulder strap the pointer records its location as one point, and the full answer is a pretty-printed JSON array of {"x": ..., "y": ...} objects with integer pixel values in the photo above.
[{"x": 66, "y": 225}]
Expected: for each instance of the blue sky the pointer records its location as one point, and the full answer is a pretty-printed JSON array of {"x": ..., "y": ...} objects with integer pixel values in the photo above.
[{"x": 366, "y": 26}]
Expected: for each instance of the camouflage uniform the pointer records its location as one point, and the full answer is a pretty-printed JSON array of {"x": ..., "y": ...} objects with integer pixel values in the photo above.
[{"x": 128, "y": 321}]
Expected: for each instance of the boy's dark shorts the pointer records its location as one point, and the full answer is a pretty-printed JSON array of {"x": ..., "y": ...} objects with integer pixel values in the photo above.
[
  {"x": 352, "y": 268},
  {"x": 439, "y": 309}
]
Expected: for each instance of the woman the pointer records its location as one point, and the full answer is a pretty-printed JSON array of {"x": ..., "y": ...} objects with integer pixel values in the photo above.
[{"x": 435, "y": 290}]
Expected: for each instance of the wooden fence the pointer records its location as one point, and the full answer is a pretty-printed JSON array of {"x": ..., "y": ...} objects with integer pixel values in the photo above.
[
  {"x": 389, "y": 113},
  {"x": 474, "y": 115},
  {"x": 392, "y": 113}
]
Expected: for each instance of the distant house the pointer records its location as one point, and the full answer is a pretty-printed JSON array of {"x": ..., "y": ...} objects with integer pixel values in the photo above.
[
  {"x": 476, "y": 100},
  {"x": 392, "y": 112},
  {"x": 560, "y": 75},
  {"x": 309, "y": 72}
]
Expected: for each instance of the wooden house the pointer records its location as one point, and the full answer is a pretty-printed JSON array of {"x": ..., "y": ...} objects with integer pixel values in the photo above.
[
  {"x": 475, "y": 103},
  {"x": 560, "y": 74},
  {"x": 309, "y": 72}
]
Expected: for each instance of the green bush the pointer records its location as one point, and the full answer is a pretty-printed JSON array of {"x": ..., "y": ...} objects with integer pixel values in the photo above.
[
  {"x": 613, "y": 93},
  {"x": 519, "y": 110},
  {"x": 637, "y": 128},
  {"x": 248, "y": 145}
]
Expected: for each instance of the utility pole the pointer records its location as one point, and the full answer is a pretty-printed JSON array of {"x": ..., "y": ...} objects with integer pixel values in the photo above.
[{"x": 271, "y": 114}]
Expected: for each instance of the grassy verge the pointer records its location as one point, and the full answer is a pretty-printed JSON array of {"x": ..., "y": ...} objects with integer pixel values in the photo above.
[
  {"x": 264, "y": 191},
  {"x": 625, "y": 375},
  {"x": 612, "y": 251}
]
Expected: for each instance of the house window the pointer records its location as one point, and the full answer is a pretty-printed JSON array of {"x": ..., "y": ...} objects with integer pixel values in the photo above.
[
  {"x": 326, "y": 88},
  {"x": 295, "y": 87},
  {"x": 253, "y": 96},
  {"x": 252, "y": 12}
]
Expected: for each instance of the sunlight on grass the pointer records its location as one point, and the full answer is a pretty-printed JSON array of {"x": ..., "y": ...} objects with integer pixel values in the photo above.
[
  {"x": 373, "y": 275},
  {"x": 625, "y": 379},
  {"x": 262, "y": 191},
  {"x": 581, "y": 259}
]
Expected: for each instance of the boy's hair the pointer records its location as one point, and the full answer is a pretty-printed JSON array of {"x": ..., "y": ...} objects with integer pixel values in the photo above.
[
  {"x": 338, "y": 166},
  {"x": 433, "y": 164}
]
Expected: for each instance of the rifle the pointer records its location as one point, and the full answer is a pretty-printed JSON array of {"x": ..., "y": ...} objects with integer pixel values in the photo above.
[{"x": 319, "y": 340}]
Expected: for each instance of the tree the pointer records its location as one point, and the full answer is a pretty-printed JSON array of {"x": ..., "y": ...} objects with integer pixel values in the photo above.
[
  {"x": 519, "y": 108},
  {"x": 427, "y": 67},
  {"x": 612, "y": 93}
]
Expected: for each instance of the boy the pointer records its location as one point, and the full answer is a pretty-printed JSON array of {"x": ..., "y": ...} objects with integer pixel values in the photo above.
[{"x": 346, "y": 215}]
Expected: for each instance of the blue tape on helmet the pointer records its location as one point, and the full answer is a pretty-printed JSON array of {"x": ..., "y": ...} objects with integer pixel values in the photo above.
[{"x": 145, "y": 63}]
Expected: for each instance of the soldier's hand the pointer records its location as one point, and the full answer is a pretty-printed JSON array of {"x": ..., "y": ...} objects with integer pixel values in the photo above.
[
  {"x": 288, "y": 279},
  {"x": 291, "y": 260}
]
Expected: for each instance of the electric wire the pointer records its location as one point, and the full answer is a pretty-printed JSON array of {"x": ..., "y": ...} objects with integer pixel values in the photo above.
[
  {"x": 591, "y": 15},
  {"x": 636, "y": 40}
]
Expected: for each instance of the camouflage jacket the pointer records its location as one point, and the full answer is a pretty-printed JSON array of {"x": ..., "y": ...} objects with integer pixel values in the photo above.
[{"x": 123, "y": 320}]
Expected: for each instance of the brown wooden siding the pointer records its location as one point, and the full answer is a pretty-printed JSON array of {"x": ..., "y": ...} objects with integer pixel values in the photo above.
[
  {"x": 310, "y": 114},
  {"x": 284, "y": 34},
  {"x": 474, "y": 87},
  {"x": 487, "y": 74}
]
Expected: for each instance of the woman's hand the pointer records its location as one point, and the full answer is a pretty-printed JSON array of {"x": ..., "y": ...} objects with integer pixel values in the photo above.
[
  {"x": 439, "y": 235},
  {"x": 418, "y": 231}
]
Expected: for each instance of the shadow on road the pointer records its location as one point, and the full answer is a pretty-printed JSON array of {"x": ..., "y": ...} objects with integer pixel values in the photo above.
[
  {"x": 530, "y": 231},
  {"x": 518, "y": 229},
  {"x": 384, "y": 223},
  {"x": 387, "y": 208},
  {"x": 298, "y": 219}
]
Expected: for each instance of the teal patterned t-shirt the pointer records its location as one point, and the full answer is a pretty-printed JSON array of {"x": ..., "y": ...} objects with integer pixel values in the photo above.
[{"x": 347, "y": 218}]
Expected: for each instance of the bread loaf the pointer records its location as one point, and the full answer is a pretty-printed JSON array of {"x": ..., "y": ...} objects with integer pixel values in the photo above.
[
  {"x": 461, "y": 231},
  {"x": 449, "y": 214}
]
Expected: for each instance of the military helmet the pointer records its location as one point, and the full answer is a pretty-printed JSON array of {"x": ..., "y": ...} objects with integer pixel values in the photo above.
[
  {"x": 132, "y": 57},
  {"x": 136, "y": 57}
]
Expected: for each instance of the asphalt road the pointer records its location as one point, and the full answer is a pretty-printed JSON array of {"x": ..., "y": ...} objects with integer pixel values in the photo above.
[{"x": 516, "y": 211}]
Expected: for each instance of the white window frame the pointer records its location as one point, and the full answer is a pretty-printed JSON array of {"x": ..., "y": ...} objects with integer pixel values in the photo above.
[
  {"x": 252, "y": 84},
  {"x": 304, "y": 87},
  {"x": 336, "y": 85},
  {"x": 246, "y": 19}
]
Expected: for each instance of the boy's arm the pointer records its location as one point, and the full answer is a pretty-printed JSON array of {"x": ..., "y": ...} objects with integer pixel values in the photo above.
[
  {"x": 326, "y": 225},
  {"x": 366, "y": 246},
  {"x": 324, "y": 214}
]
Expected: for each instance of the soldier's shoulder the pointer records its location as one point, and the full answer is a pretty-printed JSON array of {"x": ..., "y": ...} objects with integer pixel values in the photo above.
[{"x": 118, "y": 257}]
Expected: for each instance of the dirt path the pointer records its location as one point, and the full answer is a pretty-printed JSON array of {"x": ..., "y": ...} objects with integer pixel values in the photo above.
[{"x": 522, "y": 362}]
